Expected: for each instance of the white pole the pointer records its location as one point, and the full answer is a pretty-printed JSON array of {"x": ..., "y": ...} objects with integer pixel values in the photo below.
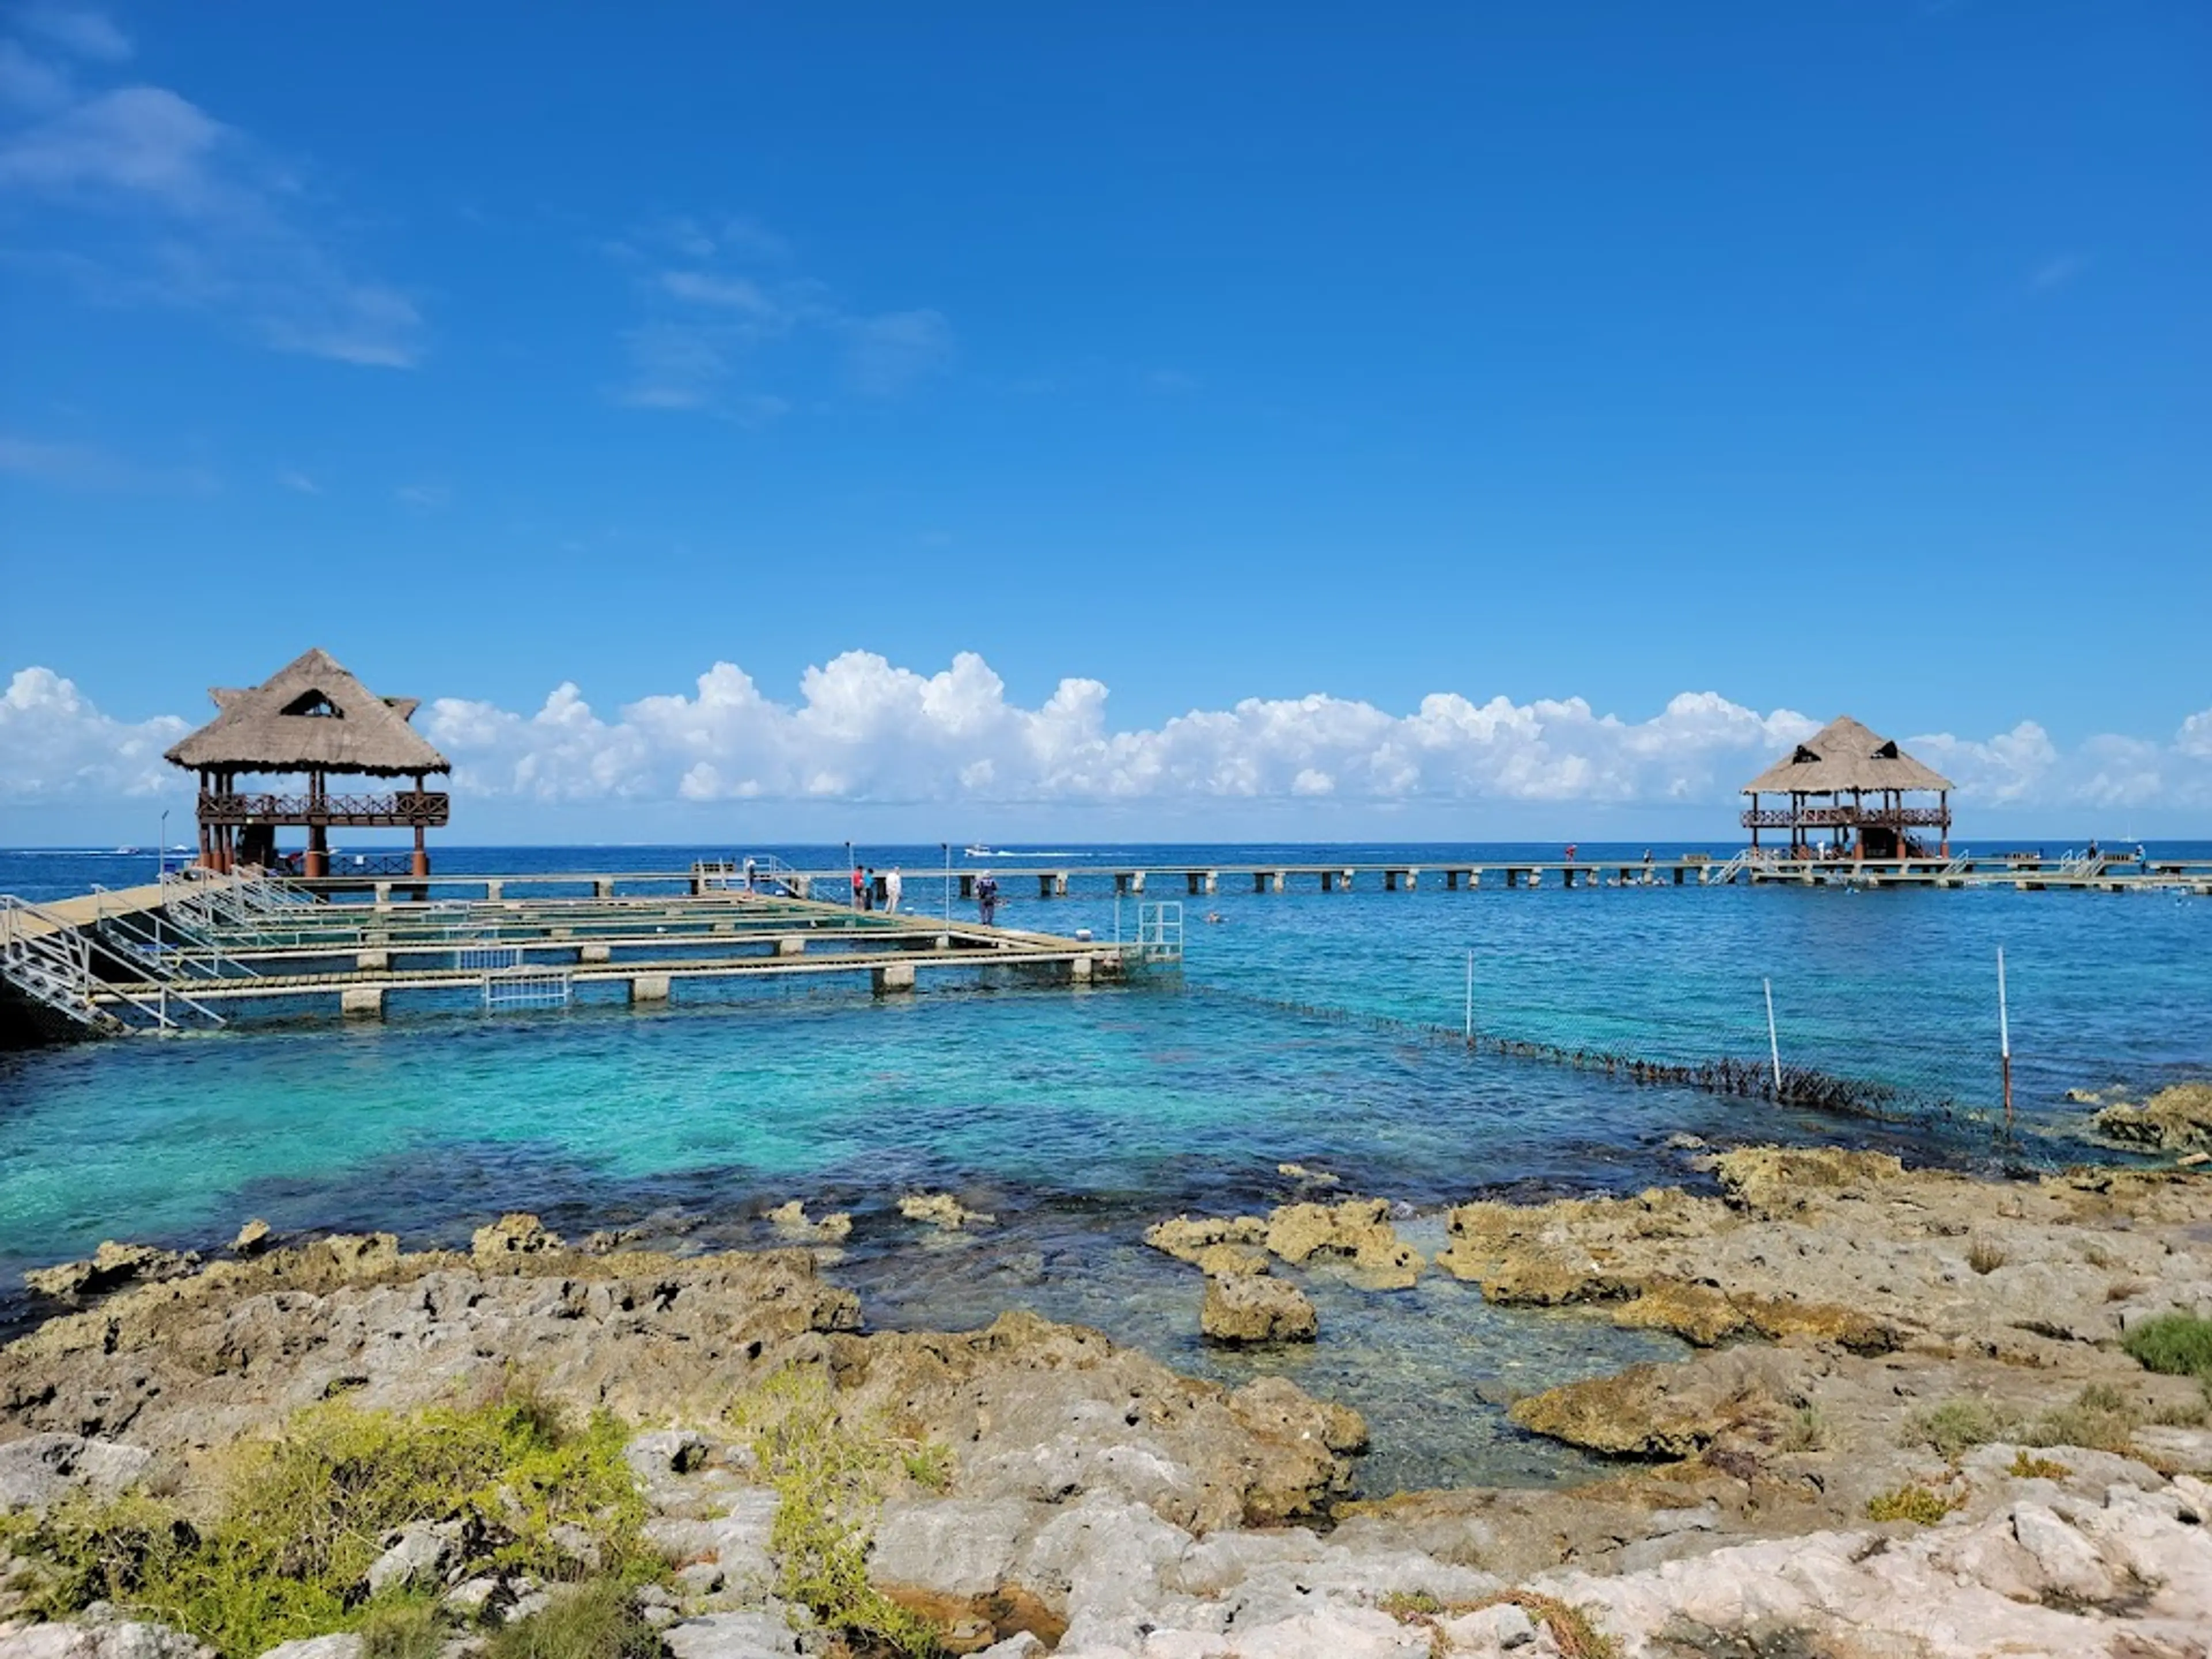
[
  {"x": 1470, "y": 999},
  {"x": 1773, "y": 1045},
  {"x": 2004, "y": 1020}
]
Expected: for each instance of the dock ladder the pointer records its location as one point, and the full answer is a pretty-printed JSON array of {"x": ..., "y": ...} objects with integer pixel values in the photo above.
[
  {"x": 1160, "y": 932},
  {"x": 56, "y": 964}
]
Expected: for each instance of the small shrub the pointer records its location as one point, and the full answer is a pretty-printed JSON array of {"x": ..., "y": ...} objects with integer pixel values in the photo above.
[
  {"x": 2100, "y": 1418},
  {"x": 1985, "y": 1256},
  {"x": 2036, "y": 1469},
  {"x": 1572, "y": 1633},
  {"x": 1957, "y": 1427},
  {"x": 829, "y": 1476},
  {"x": 2176, "y": 1345},
  {"x": 402, "y": 1630},
  {"x": 929, "y": 1466},
  {"x": 2096, "y": 1255},
  {"x": 595, "y": 1619},
  {"x": 1405, "y": 1606},
  {"x": 1807, "y": 1431},
  {"x": 1922, "y": 1505}
]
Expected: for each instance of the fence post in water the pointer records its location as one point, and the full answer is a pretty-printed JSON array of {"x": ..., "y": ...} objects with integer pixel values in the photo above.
[
  {"x": 2004, "y": 1041},
  {"x": 1470, "y": 999},
  {"x": 1773, "y": 1043}
]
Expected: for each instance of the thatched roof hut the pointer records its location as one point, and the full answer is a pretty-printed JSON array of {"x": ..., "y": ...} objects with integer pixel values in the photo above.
[
  {"x": 314, "y": 720},
  {"x": 1841, "y": 757},
  {"x": 1850, "y": 782},
  {"x": 311, "y": 716}
]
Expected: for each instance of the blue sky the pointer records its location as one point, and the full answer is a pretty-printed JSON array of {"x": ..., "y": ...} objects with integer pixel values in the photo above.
[{"x": 1824, "y": 357}]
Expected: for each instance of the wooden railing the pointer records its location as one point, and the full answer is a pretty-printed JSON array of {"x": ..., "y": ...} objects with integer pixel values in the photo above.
[
  {"x": 1847, "y": 817},
  {"x": 403, "y": 809}
]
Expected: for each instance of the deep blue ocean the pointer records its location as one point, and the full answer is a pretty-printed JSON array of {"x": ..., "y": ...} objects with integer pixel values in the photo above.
[{"x": 1304, "y": 1027}]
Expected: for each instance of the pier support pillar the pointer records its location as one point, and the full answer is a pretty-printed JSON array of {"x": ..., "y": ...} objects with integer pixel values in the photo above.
[
  {"x": 1512, "y": 878},
  {"x": 1190, "y": 882},
  {"x": 494, "y": 891},
  {"x": 892, "y": 977},
  {"x": 362, "y": 1002},
  {"x": 649, "y": 987},
  {"x": 1121, "y": 881},
  {"x": 1328, "y": 881},
  {"x": 373, "y": 962},
  {"x": 384, "y": 892},
  {"x": 593, "y": 953},
  {"x": 967, "y": 885},
  {"x": 1080, "y": 970},
  {"x": 1044, "y": 886},
  {"x": 801, "y": 886},
  {"x": 1060, "y": 884},
  {"x": 1137, "y": 881},
  {"x": 1213, "y": 883},
  {"x": 791, "y": 945},
  {"x": 603, "y": 887}
]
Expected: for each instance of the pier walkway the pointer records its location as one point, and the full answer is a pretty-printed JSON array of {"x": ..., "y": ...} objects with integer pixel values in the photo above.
[
  {"x": 2022, "y": 872},
  {"x": 195, "y": 950}
]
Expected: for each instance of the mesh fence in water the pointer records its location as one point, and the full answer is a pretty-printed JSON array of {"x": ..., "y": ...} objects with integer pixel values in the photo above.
[{"x": 1896, "y": 1052}]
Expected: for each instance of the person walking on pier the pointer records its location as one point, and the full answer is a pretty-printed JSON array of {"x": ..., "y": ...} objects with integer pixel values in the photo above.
[
  {"x": 868, "y": 889},
  {"x": 859, "y": 887},
  {"x": 894, "y": 889},
  {"x": 986, "y": 898}
]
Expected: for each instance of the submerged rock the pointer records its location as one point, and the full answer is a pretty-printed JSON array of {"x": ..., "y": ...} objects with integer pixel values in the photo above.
[
  {"x": 252, "y": 1238},
  {"x": 942, "y": 1209},
  {"x": 791, "y": 1220},
  {"x": 1306, "y": 1177},
  {"x": 2179, "y": 1117},
  {"x": 110, "y": 1266},
  {"x": 1250, "y": 1307}
]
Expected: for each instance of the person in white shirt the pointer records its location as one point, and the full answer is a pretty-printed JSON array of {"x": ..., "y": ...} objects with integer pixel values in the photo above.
[{"x": 893, "y": 886}]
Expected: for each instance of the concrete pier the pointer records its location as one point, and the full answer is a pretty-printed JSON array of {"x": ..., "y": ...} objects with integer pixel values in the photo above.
[
  {"x": 893, "y": 976},
  {"x": 649, "y": 988},
  {"x": 594, "y": 953},
  {"x": 362, "y": 1002}
]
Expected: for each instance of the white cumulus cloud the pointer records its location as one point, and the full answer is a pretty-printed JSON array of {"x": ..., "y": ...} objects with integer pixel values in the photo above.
[
  {"x": 865, "y": 731},
  {"x": 56, "y": 746}
]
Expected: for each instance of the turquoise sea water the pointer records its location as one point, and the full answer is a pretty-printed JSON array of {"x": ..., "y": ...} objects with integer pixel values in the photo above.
[{"x": 1301, "y": 1028}]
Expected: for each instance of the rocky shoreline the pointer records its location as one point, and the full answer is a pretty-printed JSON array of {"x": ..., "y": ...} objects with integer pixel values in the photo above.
[{"x": 1926, "y": 1414}]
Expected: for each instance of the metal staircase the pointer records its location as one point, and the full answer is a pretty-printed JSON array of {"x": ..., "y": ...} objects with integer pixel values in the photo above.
[{"x": 55, "y": 965}]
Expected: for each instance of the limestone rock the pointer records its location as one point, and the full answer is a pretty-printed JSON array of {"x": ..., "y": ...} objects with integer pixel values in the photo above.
[
  {"x": 513, "y": 1235},
  {"x": 1250, "y": 1307},
  {"x": 942, "y": 1209},
  {"x": 951, "y": 1547},
  {"x": 1187, "y": 1240},
  {"x": 2177, "y": 1117},
  {"x": 342, "y": 1645},
  {"x": 1306, "y": 1177},
  {"x": 1231, "y": 1260},
  {"x": 111, "y": 1265},
  {"x": 127, "y": 1640},
  {"x": 791, "y": 1220},
  {"x": 733, "y": 1636},
  {"x": 417, "y": 1555},
  {"x": 1775, "y": 1180},
  {"x": 41, "y": 1468},
  {"x": 252, "y": 1238},
  {"x": 666, "y": 1451},
  {"x": 1358, "y": 1229}
]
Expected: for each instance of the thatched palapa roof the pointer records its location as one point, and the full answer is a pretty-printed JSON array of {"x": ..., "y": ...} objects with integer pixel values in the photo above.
[
  {"x": 1841, "y": 756},
  {"x": 310, "y": 715}
]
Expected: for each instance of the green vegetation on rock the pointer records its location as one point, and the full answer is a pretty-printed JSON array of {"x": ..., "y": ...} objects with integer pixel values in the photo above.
[
  {"x": 596, "y": 1619},
  {"x": 2176, "y": 1344},
  {"x": 285, "y": 1552},
  {"x": 829, "y": 1475},
  {"x": 1922, "y": 1505},
  {"x": 1957, "y": 1427}
]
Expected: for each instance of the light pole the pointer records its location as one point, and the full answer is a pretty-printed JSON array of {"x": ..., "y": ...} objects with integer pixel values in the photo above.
[
  {"x": 946, "y": 847},
  {"x": 852, "y": 887},
  {"x": 161, "y": 848}
]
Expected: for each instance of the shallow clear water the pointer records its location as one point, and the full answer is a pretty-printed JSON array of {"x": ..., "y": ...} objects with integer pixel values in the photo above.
[{"x": 1079, "y": 1117}]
